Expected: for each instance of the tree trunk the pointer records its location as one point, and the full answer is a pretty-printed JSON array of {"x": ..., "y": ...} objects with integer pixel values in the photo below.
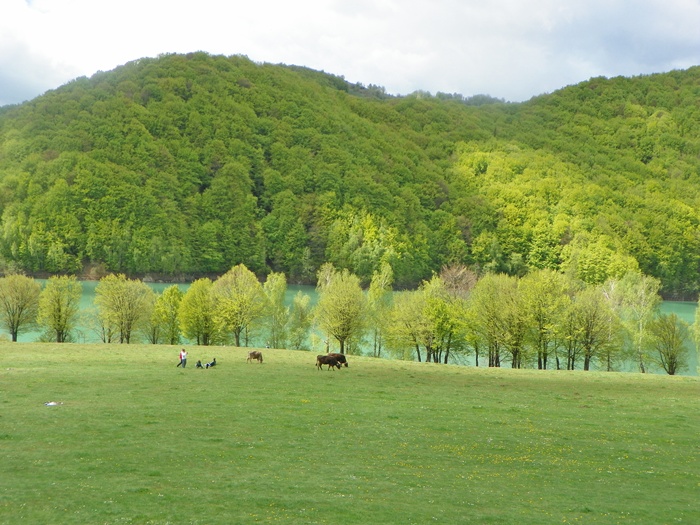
[
  {"x": 515, "y": 363},
  {"x": 447, "y": 347},
  {"x": 494, "y": 357}
]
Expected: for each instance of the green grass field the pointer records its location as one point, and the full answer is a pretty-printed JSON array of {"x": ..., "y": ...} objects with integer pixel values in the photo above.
[{"x": 138, "y": 441}]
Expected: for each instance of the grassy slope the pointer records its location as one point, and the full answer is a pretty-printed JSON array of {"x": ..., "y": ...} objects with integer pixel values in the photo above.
[{"x": 138, "y": 440}]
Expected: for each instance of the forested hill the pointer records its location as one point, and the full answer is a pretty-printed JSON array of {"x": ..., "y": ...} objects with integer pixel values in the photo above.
[{"x": 186, "y": 165}]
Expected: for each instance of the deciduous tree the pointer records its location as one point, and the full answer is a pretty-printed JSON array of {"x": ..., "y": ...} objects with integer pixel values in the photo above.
[
  {"x": 341, "y": 307},
  {"x": 493, "y": 308},
  {"x": 276, "y": 312},
  {"x": 239, "y": 301},
  {"x": 166, "y": 314},
  {"x": 300, "y": 320},
  {"x": 636, "y": 297},
  {"x": 196, "y": 313},
  {"x": 570, "y": 334},
  {"x": 59, "y": 307},
  {"x": 123, "y": 303},
  {"x": 595, "y": 324},
  {"x": 668, "y": 339},
  {"x": 545, "y": 299},
  {"x": 408, "y": 323},
  {"x": 19, "y": 303},
  {"x": 378, "y": 305}
]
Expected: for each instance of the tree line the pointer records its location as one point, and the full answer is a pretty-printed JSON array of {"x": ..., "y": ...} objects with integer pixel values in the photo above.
[{"x": 544, "y": 320}]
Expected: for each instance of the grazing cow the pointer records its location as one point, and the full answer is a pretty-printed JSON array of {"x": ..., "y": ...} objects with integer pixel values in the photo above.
[
  {"x": 254, "y": 356},
  {"x": 327, "y": 360},
  {"x": 340, "y": 358}
]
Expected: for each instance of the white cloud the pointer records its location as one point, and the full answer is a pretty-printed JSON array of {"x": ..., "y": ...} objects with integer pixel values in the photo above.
[{"x": 505, "y": 48}]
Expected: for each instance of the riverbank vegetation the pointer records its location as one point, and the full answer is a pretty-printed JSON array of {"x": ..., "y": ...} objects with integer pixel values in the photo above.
[
  {"x": 184, "y": 166},
  {"x": 543, "y": 320}
]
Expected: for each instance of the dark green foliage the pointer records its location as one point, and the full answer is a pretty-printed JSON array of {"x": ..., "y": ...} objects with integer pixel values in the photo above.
[{"x": 186, "y": 165}]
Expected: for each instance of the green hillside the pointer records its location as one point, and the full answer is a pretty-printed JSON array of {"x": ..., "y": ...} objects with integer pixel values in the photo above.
[{"x": 186, "y": 165}]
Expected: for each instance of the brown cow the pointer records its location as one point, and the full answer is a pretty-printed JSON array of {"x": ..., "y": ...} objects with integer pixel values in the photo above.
[
  {"x": 340, "y": 358},
  {"x": 327, "y": 360},
  {"x": 254, "y": 356}
]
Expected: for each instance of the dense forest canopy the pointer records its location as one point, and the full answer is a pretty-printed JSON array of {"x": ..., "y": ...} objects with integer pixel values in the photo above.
[{"x": 186, "y": 165}]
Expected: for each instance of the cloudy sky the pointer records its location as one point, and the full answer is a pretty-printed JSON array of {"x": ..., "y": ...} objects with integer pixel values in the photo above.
[{"x": 511, "y": 49}]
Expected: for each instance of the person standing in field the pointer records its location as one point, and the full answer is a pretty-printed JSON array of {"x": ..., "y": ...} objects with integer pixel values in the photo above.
[{"x": 183, "y": 358}]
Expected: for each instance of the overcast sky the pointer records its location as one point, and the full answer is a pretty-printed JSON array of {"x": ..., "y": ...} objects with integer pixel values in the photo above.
[{"x": 511, "y": 49}]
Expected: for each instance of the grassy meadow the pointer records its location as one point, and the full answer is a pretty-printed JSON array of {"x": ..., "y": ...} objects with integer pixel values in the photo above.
[{"x": 136, "y": 440}]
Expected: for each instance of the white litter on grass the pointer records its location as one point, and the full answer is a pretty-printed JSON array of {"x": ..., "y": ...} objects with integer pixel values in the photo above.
[{"x": 53, "y": 403}]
